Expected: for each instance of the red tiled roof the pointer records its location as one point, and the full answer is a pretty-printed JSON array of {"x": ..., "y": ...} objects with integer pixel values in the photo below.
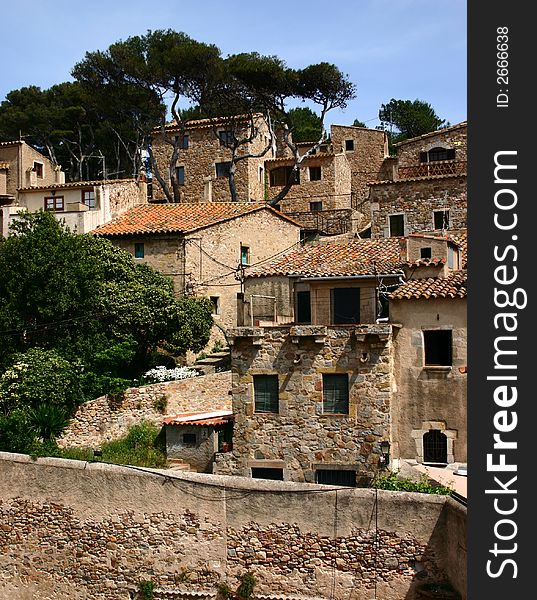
[
  {"x": 411, "y": 179},
  {"x": 73, "y": 184},
  {"x": 357, "y": 257},
  {"x": 452, "y": 286},
  {"x": 207, "y": 419},
  {"x": 181, "y": 217},
  {"x": 460, "y": 125},
  {"x": 426, "y": 262}
]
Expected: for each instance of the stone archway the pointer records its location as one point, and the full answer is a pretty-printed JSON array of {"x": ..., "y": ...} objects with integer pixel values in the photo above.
[{"x": 434, "y": 426}]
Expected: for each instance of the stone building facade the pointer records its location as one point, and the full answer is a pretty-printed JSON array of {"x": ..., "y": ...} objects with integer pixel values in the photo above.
[
  {"x": 429, "y": 406},
  {"x": 203, "y": 157},
  {"x": 205, "y": 248},
  {"x": 301, "y": 433},
  {"x": 424, "y": 186}
]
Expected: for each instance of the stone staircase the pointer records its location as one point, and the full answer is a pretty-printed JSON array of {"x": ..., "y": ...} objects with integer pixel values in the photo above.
[
  {"x": 217, "y": 361},
  {"x": 178, "y": 464}
]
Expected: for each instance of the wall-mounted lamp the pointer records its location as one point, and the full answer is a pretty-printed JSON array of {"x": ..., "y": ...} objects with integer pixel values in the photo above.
[{"x": 384, "y": 453}]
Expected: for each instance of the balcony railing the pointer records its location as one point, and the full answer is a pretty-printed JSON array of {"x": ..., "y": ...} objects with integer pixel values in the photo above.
[{"x": 433, "y": 168}]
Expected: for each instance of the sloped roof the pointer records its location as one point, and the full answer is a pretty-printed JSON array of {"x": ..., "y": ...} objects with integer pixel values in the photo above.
[
  {"x": 73, "y": 185},
  {"x": 331, "y": 259},
  {"x": 180, "y": 218},
  {"x": 452, "y": 286},
  {"x": 460, "y": 125},
  {"x": 207, "y": 419}
]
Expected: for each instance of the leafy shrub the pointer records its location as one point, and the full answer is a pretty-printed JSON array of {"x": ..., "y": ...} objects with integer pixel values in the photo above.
[
  {"x": 47, "y": 421},
  {"x": 140, "y": 447},
  {"x": 147, "y": 587},
  {"x": 160, "y": 403},
  {"x": 246, "y": 587},
  {"x": 391, "y": 481}
]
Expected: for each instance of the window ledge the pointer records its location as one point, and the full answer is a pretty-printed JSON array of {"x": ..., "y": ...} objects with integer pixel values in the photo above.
[{"x": 438, "y": 368}]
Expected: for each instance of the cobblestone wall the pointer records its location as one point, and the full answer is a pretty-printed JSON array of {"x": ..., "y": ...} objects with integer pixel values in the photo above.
[
  {"x": 104, "y": 419},
  {"x": 95, "y": 531}
]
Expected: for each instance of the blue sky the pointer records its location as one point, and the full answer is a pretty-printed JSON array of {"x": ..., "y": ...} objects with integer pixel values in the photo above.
[{"x": 404, "y": 49}]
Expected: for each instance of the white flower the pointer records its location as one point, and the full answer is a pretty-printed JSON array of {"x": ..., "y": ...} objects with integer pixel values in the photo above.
[{"x": 161, "y": 373}]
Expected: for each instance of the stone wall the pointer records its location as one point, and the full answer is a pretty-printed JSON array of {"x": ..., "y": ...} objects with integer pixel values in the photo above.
[
  {"x": 77, "y": 530},
  {"x": 103, "y": 419},
  {"x": 199, "y": 159},
  {"x": 417, "y": 199},
  {"x": 455, "y": 137},
  {"x": 300, "y": 438}
]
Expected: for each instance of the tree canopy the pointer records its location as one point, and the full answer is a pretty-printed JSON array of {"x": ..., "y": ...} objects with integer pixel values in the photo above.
[{"x": 411, "y": 118}]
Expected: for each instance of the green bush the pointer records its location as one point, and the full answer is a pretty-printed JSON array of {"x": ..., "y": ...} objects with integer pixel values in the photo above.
[
  {"x": 391, "y": 481},
  {"x": 140, "y": 447},
  {"x": 147, "y": 588}
]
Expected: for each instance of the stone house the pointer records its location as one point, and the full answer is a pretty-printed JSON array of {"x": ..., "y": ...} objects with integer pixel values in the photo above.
[
  {"x": 192, "y": 439},
  {"x": 205, "y": 248},
  {"x": 423, "y": 187},
  {"x": 82, "y": 205},
  {"x": 203, "y": 161},
  {"x": 316, "y": 399}
]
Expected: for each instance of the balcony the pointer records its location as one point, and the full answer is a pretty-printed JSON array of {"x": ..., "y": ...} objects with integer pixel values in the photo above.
[{"x": 447, "y": 167}]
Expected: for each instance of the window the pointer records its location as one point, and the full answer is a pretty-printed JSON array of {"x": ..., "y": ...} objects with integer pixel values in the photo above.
[
  {"x": 261, "y": 178},
  {"x": 54, "y": 203},
  {"x": 452, "y": 254},
  {"x": 180, "y": 173},
  {"x": 316, "y": 206},
  {"x": 441, "y": 219},
  {"x": 315, "y": 173},
  {"x": 349, "y": 145},
  {"x": 344, "y": 477},
  {"x": 265, "y": 473},
  {"x": 336, "y": 394},
  {"x": 397, "y": 225},
  {"x": 426, "y": 252},
  {"x": 88, "y": 198},
  {"x": 245, "y": 255},
  {"x": 139, "y": 251},
  {"x": 222, "y": 169},
  {"x": 182, "y": 142},
  {"x": 266, "y": 393},
  {"x": 436, "y": 154},
  {"x": 303, "y": 307},
  {"x": 345, "y": 306},
  {"x": 434, "y": 447},
  {"x": 216, "y": 304},
  {"x": 438, "y": 347},
  {"x": 281, "y": 175},
  {"x": 226, "y": 138},
  {"x": 38, "y": 168},
  {"x": 189, "y": 440}
]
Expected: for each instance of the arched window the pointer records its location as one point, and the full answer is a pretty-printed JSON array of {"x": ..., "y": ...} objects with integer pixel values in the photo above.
[{"x": 434, "y": 447}]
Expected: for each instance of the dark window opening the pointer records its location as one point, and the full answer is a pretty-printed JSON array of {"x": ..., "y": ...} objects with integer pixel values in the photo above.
[
  {"x": 216, "y": 304},
  {"x": 189, "y": 439},
  {"x": 397, "y": 225},
  {"x": 315, "y": 173},
  {"x": 438, "y": 347},
  {"x": 316, "y": 206},
  {"x": 426, "y": 253},
  {"x": 441, "y": 219},
  {"x": 303, "y": 307},
  {"x": 438, "y": 153},
  {"x": 345, "y": 306},
  {"x": 345, "y": 477},
  {"x": 281, "y": 175},
  {"x": 180, "y": 172},
  {"x": 38, "y": 168},
  {"x": 349, "y": 145},
  {"x": 182, "y": 142},
  {"x": 222, "y": 169},
  {"x": 266, "y": 473},
  {"x": 139, "y": 251},
  {"x": 336, "y": 394},
  {"x": 434, "y": 447},
  {"x": 245, "y": 255},
  {"x": 226, "y": 138},
  {"x": 266, "y": 393}
]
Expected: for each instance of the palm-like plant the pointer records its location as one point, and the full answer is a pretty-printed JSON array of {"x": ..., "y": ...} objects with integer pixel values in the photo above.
[{"x": 48, "y": 421}]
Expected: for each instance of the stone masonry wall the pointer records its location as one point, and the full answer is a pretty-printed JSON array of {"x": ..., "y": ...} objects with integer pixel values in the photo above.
[
  {"x": 103, "y": 419},
  {"x": 300, "y": 438},
  {"x": 408, "y": 154},
  {"x": 204, "y": 150},
  {"x": 417, "y": 199},
  {"x": 75, "y": 530}
]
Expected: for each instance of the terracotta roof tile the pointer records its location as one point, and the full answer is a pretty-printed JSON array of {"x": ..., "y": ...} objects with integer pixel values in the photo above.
[
  {"x": 460, "y": 125},
  {"x": 182, "y": 217},
  {"x": 207, "y": 419},
  {"x": 458, "y": 236},
  {"x": 410, "y": 179},
  {"x": 73, "y": 185},
  {"x": 357, "y": 257},
  {"x": 452, "y": 286}
]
